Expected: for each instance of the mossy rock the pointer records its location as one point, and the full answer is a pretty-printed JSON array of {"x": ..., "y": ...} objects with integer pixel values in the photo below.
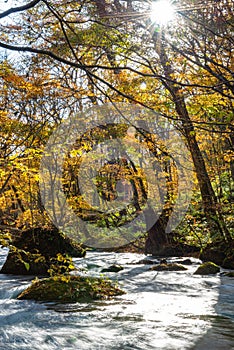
[
  {"x": 70, "y": 289},
  {"x": 113, "y": 268},
  {"x": 23, "y": 263},
  {"x": 48, "y": 242},
  {"x": 228, "y": 262},
  {"x": 229, "y": 274},
  {"x": 207, "y": 268},
  {"x": 213, "y": 253},
  {"x": 219, "y": 252},
  {"x": 168, "y": 267},
  {"x": 32, "y": 250}
]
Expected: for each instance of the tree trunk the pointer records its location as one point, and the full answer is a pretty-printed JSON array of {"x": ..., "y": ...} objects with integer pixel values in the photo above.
[
  {"x": 210, "y": 204},
  {"x": 156, "y": 235}
]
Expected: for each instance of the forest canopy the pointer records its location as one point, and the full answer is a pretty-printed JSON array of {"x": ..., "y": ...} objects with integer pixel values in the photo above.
[{"x": 60, "y": 58}]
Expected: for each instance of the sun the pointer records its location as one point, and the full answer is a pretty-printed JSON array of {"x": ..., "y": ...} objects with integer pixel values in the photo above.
[{"x": 162, "y": 11}]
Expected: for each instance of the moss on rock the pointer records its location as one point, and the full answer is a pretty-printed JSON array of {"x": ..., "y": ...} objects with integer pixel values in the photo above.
[
  {"x": 20, "y": 262},
  {"x": 32, "y": 250},
  {"x": 229, "y": 274},
  {"x": 219, "y": 252},
  {"x": 207, "y": 268},
  {"x": 70, "y": 289},
  {"x": 228, "y": 262},
  {"x": 168, "y": 267}
]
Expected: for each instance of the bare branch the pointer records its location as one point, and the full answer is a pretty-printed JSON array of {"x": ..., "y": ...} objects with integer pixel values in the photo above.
[{"x": 19, "y": 8}]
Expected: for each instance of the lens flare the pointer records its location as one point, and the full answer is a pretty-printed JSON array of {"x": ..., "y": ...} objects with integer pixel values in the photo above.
[{"x": 162, "y": 12}]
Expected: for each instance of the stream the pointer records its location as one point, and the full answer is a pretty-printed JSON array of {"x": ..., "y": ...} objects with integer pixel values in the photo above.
[{"x": 160, "y": 310}]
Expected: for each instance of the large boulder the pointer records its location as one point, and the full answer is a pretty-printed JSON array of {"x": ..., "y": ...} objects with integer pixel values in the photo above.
[
  {"x": 228, "y": 262},
  {"x": 220, "y": 253},
  {"x": 70, "y": 289},
  {"x": 207, "y": 268},
  {"x": 34, "y": 251},
  {"x": 213, "y": 253}
]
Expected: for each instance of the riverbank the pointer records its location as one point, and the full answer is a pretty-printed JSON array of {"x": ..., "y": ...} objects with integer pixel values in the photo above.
[{"x": 219, "y": 252}]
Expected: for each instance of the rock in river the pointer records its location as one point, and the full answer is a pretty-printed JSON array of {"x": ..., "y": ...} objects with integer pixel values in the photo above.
[
  {"x": 113, "y": 268},
  {"x": 207, "y": 268},
  {"x": 70, "y": 289},
  {"x": 32, "y": 250},
  {"x": 168, "y": 267}
]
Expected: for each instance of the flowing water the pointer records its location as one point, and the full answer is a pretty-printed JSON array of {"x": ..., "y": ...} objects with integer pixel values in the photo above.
[{"x": 160, "y": 310}]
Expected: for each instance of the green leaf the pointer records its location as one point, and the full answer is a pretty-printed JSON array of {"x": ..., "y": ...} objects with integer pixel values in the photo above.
[{"x": 27, "y": 265}]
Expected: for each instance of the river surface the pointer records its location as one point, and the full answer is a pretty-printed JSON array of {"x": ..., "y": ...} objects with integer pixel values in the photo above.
[{"x": 160, "y": 310}]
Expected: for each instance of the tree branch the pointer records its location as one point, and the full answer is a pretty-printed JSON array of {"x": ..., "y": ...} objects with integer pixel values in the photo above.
[{"x": 19, "y": 8}]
